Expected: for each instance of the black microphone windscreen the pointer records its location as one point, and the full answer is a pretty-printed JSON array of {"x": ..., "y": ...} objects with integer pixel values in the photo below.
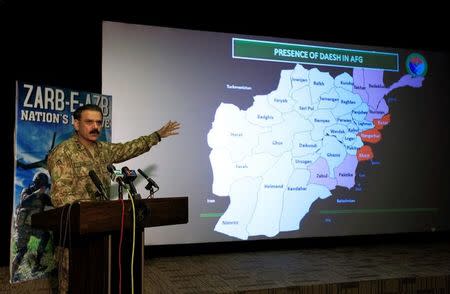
[
  {"x": 148, "y": 178},
  {"x": 142, "y": 173},
  {"x": 93, "y": 176},
  {"x": 97, "y": 183},
  {"x": 110, "y": 168}
]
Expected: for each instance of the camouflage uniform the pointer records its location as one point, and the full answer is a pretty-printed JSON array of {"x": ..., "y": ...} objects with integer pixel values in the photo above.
[{"x": 70, "y": 162}]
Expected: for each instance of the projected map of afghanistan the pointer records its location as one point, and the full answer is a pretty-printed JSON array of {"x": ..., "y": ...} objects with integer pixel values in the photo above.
[{"x": 294, "y": 145}]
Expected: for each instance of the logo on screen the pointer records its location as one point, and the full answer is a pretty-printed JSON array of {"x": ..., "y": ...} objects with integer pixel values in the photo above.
[{"x": 416, "y": 65}]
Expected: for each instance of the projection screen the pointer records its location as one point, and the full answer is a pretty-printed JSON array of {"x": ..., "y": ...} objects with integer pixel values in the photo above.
[{"x": 282, "y": 138}]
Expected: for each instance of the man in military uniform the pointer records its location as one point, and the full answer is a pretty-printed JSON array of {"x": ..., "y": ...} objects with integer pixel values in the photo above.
[
  {"x": 34, "y": 199},
  {"x": 70, "y": 162}
]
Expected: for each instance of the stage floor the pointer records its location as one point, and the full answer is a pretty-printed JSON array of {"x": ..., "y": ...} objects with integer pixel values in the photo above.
[
  {"x": 390, "y": 268},
  {"x": 294, "y": 269}
]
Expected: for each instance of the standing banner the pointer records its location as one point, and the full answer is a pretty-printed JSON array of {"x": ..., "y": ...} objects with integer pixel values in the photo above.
[{"x": 43, "y": 120}]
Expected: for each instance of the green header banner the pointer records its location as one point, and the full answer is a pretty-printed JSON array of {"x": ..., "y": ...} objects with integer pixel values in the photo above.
[{"x": 295, "y": 53}]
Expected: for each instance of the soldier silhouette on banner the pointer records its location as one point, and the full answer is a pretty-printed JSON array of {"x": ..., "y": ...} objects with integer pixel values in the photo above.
[{"x": 33, "y": 199}]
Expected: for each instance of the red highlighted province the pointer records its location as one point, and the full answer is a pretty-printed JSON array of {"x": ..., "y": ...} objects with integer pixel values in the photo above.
[
  {"x": 381, "y": 122},
  {"x": 371, "y": 136},
  {"x": 364, "y": 153}
]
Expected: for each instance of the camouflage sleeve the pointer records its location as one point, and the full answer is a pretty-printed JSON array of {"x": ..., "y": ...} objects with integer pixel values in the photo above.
[
  {"x": 61, "y": 172},
  {"x": 123, "y": 151}
]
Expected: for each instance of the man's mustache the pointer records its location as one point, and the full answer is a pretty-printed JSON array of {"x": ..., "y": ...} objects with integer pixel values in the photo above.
[{"x": 94, "y": 132}]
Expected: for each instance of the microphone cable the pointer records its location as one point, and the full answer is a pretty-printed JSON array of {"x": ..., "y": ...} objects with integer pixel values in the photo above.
[
  {"x": 130, "y": 196},
  {"x": 120, "y": 245}
]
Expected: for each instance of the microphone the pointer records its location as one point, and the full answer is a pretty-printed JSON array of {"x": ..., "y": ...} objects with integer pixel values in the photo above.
[
  {"x": 100, "y": 188},
  {"x": 149, "y": 180},
  {"x": 128, "y": 177},
  {"x": 116, "y": 175}
]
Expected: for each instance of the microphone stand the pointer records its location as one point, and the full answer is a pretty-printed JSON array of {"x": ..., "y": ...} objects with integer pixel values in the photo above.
[
  {"x": 120, "y": 191},
  {"x": 133, "y": 191},
  {"x": 149, "y": 187}
]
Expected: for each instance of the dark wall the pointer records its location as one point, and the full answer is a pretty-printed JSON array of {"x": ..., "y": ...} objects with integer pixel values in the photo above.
[
  {"x": 65, "y": 51},
  {"x": 58, "y": 52}
]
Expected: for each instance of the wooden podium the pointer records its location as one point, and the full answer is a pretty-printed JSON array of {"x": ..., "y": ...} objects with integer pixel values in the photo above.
[{"x": 94, "y": 239}]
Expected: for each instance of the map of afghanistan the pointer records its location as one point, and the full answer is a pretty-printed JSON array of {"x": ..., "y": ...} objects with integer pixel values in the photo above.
[{"x": 294, "y": 145}]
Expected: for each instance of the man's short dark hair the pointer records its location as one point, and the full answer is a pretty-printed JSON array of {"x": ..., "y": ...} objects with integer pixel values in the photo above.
[{"x": 79, "y": 110}]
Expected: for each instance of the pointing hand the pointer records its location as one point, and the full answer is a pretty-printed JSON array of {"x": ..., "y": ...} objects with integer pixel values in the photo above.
[{"x": 169, "y": 129}]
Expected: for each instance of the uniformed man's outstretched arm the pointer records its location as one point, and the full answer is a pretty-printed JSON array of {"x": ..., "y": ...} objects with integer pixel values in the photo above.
[{"x": 169, "y": 129}]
